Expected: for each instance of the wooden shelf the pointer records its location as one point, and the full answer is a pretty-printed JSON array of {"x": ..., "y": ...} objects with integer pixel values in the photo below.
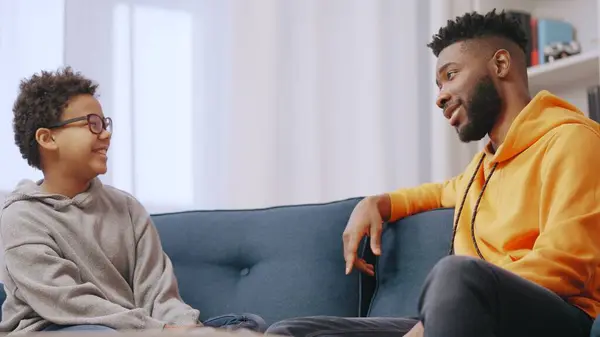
[{"x": 564, "y": 72}]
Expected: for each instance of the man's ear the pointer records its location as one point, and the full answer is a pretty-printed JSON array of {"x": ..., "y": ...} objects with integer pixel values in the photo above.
[
  {"x": 45, "y": 138},
  {"x": 501, "y": 63}
]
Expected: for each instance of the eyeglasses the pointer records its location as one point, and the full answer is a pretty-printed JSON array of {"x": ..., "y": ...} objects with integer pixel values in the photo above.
[{"x": 96, "y": 123}]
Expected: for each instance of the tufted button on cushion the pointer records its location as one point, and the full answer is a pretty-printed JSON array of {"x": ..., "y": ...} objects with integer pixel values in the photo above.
[{"x": 278, "y": 263}]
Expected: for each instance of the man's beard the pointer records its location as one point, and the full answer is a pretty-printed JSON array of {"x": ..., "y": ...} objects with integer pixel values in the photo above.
[{"x": 482, "y": 111}]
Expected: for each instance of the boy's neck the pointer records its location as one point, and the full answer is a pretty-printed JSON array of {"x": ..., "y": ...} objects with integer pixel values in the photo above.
[{"x": 69, "y": 187}]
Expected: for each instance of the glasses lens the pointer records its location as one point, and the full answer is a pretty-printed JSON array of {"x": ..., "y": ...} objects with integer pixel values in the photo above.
[
  {"x": 108, "y": 124},
  {"x": 95, "y": 123}
]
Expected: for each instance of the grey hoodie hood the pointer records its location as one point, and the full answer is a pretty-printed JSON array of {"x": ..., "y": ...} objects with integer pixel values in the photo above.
[{"x": 27, "y": 190}]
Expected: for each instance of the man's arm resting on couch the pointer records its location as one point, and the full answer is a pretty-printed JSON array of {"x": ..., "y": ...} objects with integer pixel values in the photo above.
[
  {"x": 408, "y": 201},
  {"x": 426, "y": 197}
]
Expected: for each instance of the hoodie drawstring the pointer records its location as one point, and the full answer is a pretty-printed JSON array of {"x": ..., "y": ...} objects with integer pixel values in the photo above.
[{"x": 462, "y": 204}]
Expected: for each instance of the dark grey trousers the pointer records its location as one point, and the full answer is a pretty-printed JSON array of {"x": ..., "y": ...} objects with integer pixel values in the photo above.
[{"x": 463, "y": 297}]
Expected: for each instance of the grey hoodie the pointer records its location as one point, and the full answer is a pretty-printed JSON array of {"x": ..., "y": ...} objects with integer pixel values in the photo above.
[{"x": 93, "y": 259}]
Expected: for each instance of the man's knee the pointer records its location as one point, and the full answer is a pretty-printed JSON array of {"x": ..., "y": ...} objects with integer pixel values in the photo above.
[
  {"x": 456, "y": 276},
  {"x": 452, "y": 281},
  {"x": 456, "y": 267}
]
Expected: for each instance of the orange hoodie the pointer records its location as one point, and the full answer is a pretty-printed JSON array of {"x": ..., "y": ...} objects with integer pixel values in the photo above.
[{"x": 539, "y": 215}]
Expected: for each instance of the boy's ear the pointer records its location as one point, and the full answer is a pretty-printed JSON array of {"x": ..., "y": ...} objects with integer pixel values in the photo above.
[{"x": 45, "y": 138}]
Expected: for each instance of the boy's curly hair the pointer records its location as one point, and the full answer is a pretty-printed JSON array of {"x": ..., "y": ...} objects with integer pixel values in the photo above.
[
  {"x": 40, "y": 103},
  {"x": 474, "y": 25}
]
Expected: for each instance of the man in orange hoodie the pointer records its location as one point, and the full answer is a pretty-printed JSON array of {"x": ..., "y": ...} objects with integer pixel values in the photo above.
[{"x": 526, "y": 243}]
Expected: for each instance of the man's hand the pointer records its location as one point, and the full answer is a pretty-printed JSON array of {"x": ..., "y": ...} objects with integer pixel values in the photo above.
[
  {"x": 366, "y": 219},
  {"x": 416, "y": 331}
]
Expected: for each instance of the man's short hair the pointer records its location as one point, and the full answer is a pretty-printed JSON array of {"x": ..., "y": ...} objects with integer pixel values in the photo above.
[{"x": 472, "y": 26}]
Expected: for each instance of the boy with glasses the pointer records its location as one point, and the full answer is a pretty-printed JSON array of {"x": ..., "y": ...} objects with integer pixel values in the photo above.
[{"x": 79, "y": 254}]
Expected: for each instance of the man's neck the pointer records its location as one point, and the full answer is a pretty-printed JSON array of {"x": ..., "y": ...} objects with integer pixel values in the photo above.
[
  {"x": 58, "y": 184},
  {"x": 511, "y": 111}
]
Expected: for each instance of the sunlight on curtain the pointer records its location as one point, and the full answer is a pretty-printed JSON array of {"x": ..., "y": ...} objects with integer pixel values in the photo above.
[
  {"x": 25, "y": 48},
  {"x": 121, "y": 163},
  {"x": 152, "y": 89}
]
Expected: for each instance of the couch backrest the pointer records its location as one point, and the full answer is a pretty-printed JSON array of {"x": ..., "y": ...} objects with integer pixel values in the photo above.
[
  {"x": 409, "y": 249},
  {"x": 287, "y": 261},
  {"x": 279, "y": 263}
]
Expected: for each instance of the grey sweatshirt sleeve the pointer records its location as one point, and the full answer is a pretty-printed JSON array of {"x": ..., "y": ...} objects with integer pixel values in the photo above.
[
  {"x": 154, "y": 284},
  {"x": 51, "y": 285}
]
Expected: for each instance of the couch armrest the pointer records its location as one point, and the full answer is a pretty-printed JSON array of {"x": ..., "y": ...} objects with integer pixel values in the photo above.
[
  {"x": 410, "y": 247},
  {"x": 596, "y": 328}
]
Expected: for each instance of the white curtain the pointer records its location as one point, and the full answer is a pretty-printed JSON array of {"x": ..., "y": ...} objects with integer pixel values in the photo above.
[
  {"x": 31, "y": 38},
  {"x": 240, "y": 104}
]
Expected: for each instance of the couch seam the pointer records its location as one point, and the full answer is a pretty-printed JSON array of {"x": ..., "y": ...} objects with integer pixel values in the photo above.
[{"x": 259, "y": 209}]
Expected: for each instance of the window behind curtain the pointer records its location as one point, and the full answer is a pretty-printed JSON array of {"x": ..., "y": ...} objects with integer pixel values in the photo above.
[
  {"x": 31, "y": 39},
  {"x": 153, "y": 93}
]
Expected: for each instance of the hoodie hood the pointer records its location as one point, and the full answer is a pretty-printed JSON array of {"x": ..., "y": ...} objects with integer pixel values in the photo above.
[
  {"x": 29, "y": 190},
  {"x": 543, "y": 113}
]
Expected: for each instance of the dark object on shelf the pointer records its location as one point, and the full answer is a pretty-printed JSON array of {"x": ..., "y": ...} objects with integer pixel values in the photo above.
[
  {"x": 559, "y": 50},
  {"x": 593, "y": 94}
]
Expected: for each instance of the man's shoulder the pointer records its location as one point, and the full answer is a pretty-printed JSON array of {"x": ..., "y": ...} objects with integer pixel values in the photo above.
[
  {"x": 576, "y": 132},
  {"x": 573, "y": 146}
]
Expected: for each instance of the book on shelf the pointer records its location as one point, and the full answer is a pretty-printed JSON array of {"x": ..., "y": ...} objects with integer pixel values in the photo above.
[{"x": 548, "y": 39}]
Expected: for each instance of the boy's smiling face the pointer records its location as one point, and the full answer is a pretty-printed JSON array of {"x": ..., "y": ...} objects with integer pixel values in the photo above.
[{"x": 74, "y": 147}]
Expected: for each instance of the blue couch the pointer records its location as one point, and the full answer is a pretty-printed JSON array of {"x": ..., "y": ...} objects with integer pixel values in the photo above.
[{"x": 285, "y": 262}]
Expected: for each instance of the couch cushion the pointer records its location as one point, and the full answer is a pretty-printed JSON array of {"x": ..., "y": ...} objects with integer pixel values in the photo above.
[
  {"x": 279, "y": 263},
  {"x": 596, "y": 328},
  {"x": 409, "y": 249}
]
